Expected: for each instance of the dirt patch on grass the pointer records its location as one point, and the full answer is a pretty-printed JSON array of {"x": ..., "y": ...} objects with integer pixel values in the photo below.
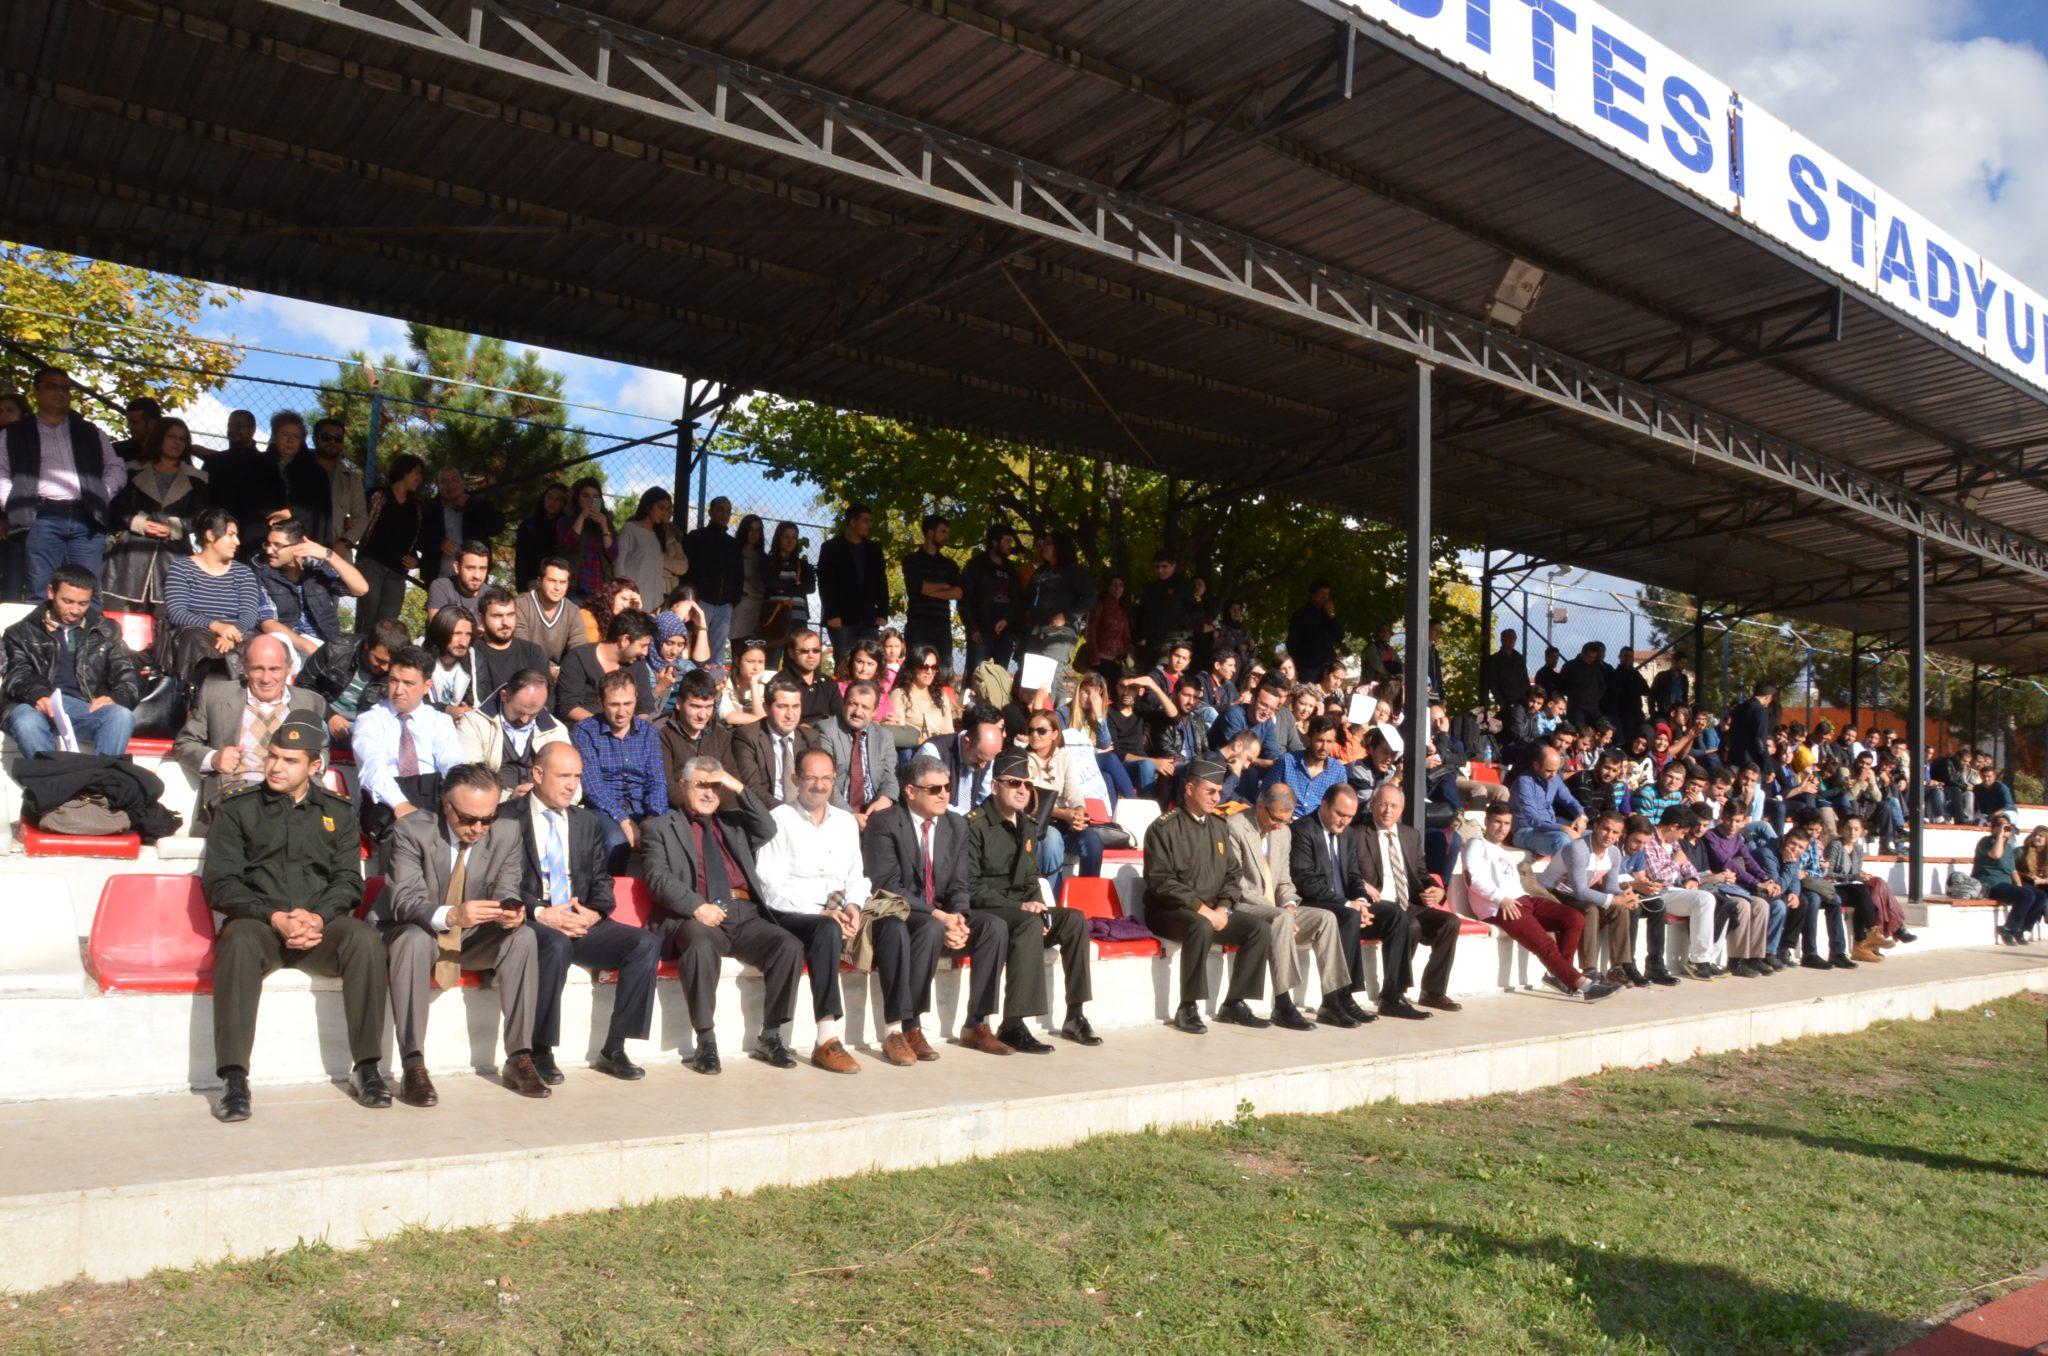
[{"x": 1262, "y": 1165}]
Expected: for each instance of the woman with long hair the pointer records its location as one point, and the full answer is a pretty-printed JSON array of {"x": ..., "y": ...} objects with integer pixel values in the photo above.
[
  {"x": 539, "y": 535},
  {"x": 787, "y": 581},
  {"x": 752, "y": 540},
  {"x": 865, "y": 661},
  {"x": 650, "y": 548},
  {"x": 211, "y": 600},
  {"x": 606, "y": 601},
  {"x": 1109, "y": 631},
  {"x": 154, "y": 510},
  {"x": 586, "y": 539},
  {"x": 390, "y": 540},
  {"x": 742, "y": 700},
  {"x": 920, "y": 699},
  {"x": 450, "y": 638},
  {"x": 1055, "y": 774},
  {"x": 894, "y": 652},
  {"x": 1090, "y": 714}
]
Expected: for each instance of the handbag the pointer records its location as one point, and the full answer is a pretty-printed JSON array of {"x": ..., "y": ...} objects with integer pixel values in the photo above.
[
  {"x": 1115, "y": 837},
  {"x": 1962, "y": 885},
  {"x": 87, "y": 816}
]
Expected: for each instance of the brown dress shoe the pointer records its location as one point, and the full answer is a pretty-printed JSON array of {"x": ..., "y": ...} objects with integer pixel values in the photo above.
[
  {"x": 982, "y": 1039},
  {"x": 1867, "y": 952},
  {"x": 913, "y": 1036},
  {"x": 417, "y": 1089},
  {"x": 523, "y": 1077},
  {"x": 833, "y": 1057},
  {"x": 897, "y": 1050},
  {"x": 1440, "y": 1002}
]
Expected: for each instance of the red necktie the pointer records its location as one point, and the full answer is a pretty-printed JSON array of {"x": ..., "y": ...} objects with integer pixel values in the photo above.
[
  {"x": 408, "y": 752},
  {"x": 926, "y": 834},
  {"x": 857, "y": 778}
]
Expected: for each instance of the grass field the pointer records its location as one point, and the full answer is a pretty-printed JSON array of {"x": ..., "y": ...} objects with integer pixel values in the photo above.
[{"x": 1821, "y": 1196}]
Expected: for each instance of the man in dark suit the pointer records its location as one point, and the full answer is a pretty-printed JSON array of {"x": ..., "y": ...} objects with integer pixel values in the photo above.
[
  {"x": 452, "y": 904},
  {"x": 1390, "y": 861},
  {"x": 568, "y": 895},
  {"x": 454, "y": 517},
  {"x": 764, "y": 754},
  {"x": 918, "y": 849},
  {"x": 1324, "y": 863},
  {"x": 1749, "y": 729},
  {"x": 969, "y": 756},
  {"x": 700, "y": 867}
]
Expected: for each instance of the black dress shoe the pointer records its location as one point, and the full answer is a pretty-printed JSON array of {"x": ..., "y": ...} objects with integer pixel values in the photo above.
[
  {"x": 550, "y": 1072},
  {"x": 1332, "y": 1013},
  {"x": 1077, "y": 1030},
  {"x": 1018, "y": 1037},
  {"x": 1841, "y": 963},
  {"x": 618, "y": 1066},
  {"x": 416, "y": 1089},
  {"x": 1902, "y": 935},
  {"x": 234, "y": 1097},
  {"x": 705, "y": 1061},
  {"x": 1349, "y": 1002},
  {"x": 1187, "y": 1017},
  {"x": 1633, "y": 975},
  {"x": 1812, "y": 962},
  {"x": 1659, "y": 975},
  {"x": 771, "y": 1051},
  {"x": 1402, "y": 1008},
  {"x": 1285, "y": 1014},
  {"x": 366, "y": 1085}
]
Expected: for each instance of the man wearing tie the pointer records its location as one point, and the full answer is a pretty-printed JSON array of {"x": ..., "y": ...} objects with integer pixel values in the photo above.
[
  {"x": 1261, "y": 858},
  {"x": 568, "y": 893},
  {"x": 969, "y": 756},
  {"x": 1190, "y": 898},
  {"x": 700, "y": 867},
  {"x": 452, "y": 904},
  {"x": 1390, "y": 857},
  {"x": 919, "y": 850},
  {"x": 403, "y": 747},
  {"x": 1327, "y": 874},
  {"x": 227, "y": 733},
  {"x": 764, "y": 753},
  {"x": 863, "y": 752}
]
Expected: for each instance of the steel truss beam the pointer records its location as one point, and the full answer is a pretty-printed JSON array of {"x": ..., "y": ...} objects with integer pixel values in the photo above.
[{"x": 597, "y": 58}]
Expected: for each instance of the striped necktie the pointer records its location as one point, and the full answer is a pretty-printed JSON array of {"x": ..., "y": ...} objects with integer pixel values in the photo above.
[{"x": 554, "y": 863}]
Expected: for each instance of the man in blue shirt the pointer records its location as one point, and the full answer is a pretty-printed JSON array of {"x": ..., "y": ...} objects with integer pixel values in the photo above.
[
  {"x": 1312, "y": 773},
  {"x": 1547, "y": 815},
  {"x": 1258, "y": 717},
  {"x": 622, "y": 769}
]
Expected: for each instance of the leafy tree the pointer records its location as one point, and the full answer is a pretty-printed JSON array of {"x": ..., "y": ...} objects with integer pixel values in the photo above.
[
  {"x": 1258, "y": 548},
  {"x": 462, "y": 400},
  {"x": 87, "y": 305}
]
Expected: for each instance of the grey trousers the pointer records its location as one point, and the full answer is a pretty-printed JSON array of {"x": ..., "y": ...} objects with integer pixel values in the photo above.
[
  {"x": 513, "y": 952},
  {"x": 1315, "y": 929}
]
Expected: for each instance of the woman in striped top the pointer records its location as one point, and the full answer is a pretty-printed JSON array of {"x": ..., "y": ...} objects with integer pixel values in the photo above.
[{"x": 212, "y": 600}]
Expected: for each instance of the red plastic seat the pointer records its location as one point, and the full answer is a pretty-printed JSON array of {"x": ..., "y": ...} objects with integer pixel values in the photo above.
[
  {"x": 332, "y": 779},
  {"x": 152, "y": 934},
  {"x": 149, "y": 746},
  {"x": 118, "y": 847},
  {"x": 633, "y": 905},
  {"x": 372, "y": 887},
  {"x": 1123, "y": 855},
  {"x": 138, "y": 629},
  {"x": 1096, "y": 897}
]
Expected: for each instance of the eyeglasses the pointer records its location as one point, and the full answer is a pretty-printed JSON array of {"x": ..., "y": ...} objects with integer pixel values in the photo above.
[
  {"x": 328, "y": 438},
  {"x": 1043, "y": 729},
  {"x": 935, "y": 789},
  {"x": 811, "y": 649},
  {"x": 929, "y": 666},
  {"x": 1012, "y": 781},
  {"x": 472, "y": 821}
]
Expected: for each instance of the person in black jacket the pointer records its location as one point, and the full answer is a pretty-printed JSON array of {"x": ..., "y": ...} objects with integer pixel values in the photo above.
[
  {"x": 853, "y": 585},
  {"x": 1749, "y": 730},
  {"x": 1583, "y": 682},
  {"x": 349, "y": 673},
  {"x": 1314, "y": 635},
  {"x": 1628, "y": 695},
  {"x": 931, "y": 583},
  {"x": 1165, "y": 608},
  {"x": 1507, "y": 674},
  {"x": 1062, "y": 595},
  {"x": 245, "y": 481},
  {"x": 453, "y": 517},
  {"x": 718, "y": 573},
  {"x": 992, "y": 601},
  {"x": 67, "y": 652}
]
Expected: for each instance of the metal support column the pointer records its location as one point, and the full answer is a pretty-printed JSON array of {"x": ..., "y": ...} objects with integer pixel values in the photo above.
[
  {"x": 686, "y": 437},
  {"x": 1856, "y": 678},
  {"x": 370, "y": 437},
  {"x": 1916, "y": 715},
  {"x": 1421, "y": 417},
  {"x": 1699, "y": 652},
  {"x": 1485, "y": 623},
  {"x": 1976, "y": 679}
]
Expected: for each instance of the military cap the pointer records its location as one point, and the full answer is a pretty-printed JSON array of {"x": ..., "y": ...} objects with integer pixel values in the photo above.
[
  {"x": 306, "y": 736},
  {"x": 1012, "y": 763},
  {"x": 1208, "y": 770}
]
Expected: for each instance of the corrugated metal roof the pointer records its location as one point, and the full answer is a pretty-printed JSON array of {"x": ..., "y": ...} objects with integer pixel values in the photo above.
[{"x": 230, "y": 140}]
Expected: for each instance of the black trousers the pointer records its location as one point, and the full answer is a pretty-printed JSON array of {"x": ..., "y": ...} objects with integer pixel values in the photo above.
[
  {"x": 633, "y": 952},
  {"x": 248, "y": 950},
  {"x": 988, "y": 948},
  {"x": 822, "y": 942},
  {"x": 1030, "y": 935},
  {"x": 1393, "y": 927},
  {"x": 897, "y": 966},
  {"x": 1350, "y": 932},
  {"x": 1855, "y": 897},
  {"x": 753, "y": 937},
  {"x": 1196, "y": 935}
]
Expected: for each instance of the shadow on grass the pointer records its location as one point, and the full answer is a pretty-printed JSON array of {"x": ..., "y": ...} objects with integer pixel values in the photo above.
[
  {"x": 1658, "y": 1304},
  {"x": 1894, "y": 1153}
]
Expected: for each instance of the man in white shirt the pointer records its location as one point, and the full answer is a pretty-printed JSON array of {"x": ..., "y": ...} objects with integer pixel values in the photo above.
[
  {"x": 816, "y": 883},
  {"x": 1586, "y": 875},
  {"x": 1261, "y": 848},
  {"x": 403, "y": 747},
  {"x": 1547, "y": 929},
  {"x": 58, "y": 475}
]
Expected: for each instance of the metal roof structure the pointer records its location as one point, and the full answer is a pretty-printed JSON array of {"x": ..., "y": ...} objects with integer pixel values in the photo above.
[{"x": 1209, "y": 238}]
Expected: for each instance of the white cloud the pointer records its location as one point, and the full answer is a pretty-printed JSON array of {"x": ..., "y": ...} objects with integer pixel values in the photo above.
[
  {"x": 1949, "y": 123},
  {"x": 207, "y": 417},
  {"x": 286, "y": 322},
  {"x": 658, "y": 395}
]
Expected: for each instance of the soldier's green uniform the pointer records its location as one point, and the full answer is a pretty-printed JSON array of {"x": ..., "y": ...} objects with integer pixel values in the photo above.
[
  {"x": 1187, "y": 866},
  {"x": 265, "y": 854},
  {"x": 1002, "y": 873}
]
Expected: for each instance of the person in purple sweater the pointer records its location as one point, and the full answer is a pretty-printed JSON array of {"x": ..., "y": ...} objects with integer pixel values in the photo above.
[{"x": 1727, "y": 852}]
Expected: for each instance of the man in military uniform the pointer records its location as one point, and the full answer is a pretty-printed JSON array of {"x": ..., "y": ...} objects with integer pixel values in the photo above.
[
  {"x": 1190, "y": 893},
  {"x": 282, "y": 863},
  {"x": 1002, "y": 877}
]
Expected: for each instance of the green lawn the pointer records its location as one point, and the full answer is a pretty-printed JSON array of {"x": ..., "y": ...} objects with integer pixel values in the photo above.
[{"x": 1821, "y": 1196}]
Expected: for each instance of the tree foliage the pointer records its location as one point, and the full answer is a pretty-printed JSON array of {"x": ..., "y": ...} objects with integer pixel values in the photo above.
[
  {"x": 435, "y": 405},
  {"x": 90, "y": 305},
  {"x": 1253, "y": 547}
]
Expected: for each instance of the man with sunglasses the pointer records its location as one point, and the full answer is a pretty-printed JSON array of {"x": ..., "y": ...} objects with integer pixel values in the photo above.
[
  {"x": 1002, "y": 869},
  {"x": 919, "y": 850},
  {"x": 452, "y": 903},
  {"x": 348, "y": 507},
  {"x": 803, "y": 667}
]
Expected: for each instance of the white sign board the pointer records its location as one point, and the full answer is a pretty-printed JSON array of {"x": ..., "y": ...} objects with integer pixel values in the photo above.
[{"x": 1606, "y": 78}]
